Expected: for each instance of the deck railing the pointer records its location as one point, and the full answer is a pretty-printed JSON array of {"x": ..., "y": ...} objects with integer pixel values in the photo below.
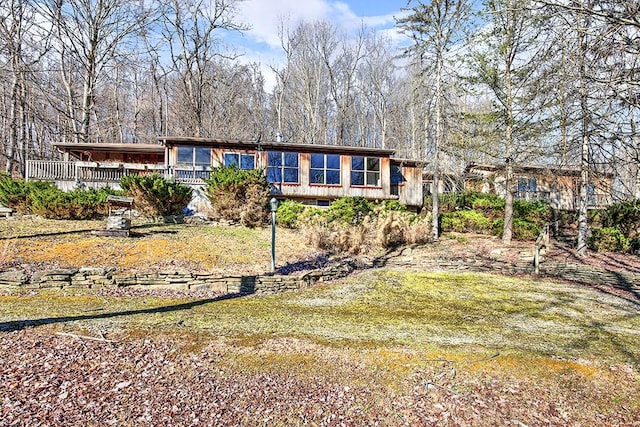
[
  {"x": 51, "y": 170},
  {"x": 107, "y": 172}
]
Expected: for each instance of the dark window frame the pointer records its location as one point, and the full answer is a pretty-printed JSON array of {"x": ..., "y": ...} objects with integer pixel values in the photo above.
[
  {"x": 239, "y": 162},
  {"x": 195, "y": 153},
  {"x": 360, "y": 177},
  {"x": 280, "y": 164},
  {"x": 325, "y": 172}
]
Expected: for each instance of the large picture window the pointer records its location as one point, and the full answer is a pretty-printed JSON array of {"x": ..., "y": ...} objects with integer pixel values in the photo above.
[
  {"x": 194, "y": 156},
  {"x": 241, "y": 161},
  {"x": 365, "y": 171},
  {"x": 325, "y": 169},
  {"x": 527, "y": 184},
  {"x": 282, "y": 167}
]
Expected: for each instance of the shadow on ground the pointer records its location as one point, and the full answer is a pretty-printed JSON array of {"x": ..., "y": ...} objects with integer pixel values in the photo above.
[{"x": 23, "y": 324}]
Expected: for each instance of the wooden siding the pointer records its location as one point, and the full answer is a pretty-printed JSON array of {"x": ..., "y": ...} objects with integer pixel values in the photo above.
[
  {"x": 560, "y": 190},
  {"x": 410, "y": 192}
]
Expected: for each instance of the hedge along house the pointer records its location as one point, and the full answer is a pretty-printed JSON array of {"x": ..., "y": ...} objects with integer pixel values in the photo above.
[
  {"x": 312, "y": 174},
  {"x": 557, "y": 186}
]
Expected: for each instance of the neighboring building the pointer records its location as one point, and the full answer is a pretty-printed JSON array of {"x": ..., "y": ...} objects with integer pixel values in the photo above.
[
  {"x": 313, "y": 174},
  {"x": 558, "y": 186}
]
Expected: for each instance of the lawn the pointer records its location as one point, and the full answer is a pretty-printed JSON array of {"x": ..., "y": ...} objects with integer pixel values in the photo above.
[
  {"x": 40, "y": 243},
  {"x": 382, "y": 347}
]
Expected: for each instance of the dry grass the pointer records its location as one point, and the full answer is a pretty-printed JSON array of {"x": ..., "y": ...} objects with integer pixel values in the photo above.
[{"x": 44, "y": 243}]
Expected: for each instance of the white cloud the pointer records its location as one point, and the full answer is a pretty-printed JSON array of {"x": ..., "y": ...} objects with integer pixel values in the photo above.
[{"x": 266, "y": 17}]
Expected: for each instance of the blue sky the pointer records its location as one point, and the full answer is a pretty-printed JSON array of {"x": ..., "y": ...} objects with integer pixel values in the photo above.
[{"x": 261, "y": 43}]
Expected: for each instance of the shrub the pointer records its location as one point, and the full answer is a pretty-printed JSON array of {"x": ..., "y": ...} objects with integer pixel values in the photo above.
[
  {"x": 45, "y": 199},
  {"x": 239, "y": 195},
  {"x": 349, "y": 210},
  {"x": 155, "y": 196},
  {"x": 18, "y": 194},
  {"x": 537, "y": 213},
  {"x": 608, "y": 239},
  {"x": 289, "y": 213},
  {"x": 77, "y": 204},
  {"x": 465, "y": 221},
  {"x": 624, "y": 216},
  {"x": 391, "y": 205},
  {"x": 489, "y": 204},
  {"x": 522, "y": 229},
  {"x": 381, "y": 229}
]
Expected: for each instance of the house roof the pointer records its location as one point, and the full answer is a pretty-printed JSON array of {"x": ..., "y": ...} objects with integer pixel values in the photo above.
[
  {"x": 533, "y": 169},
  {"x": 79, "y": 147},
  {"x": 171, "y": 141}
]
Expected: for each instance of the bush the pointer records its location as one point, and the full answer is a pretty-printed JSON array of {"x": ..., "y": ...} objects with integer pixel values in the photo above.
[
  {"x": 45, "y": 199},
  {"x": 155, "y": 196},
  {"x": 537, "y": 213},
  {"x": 239, "y": 195},
  {"x": 18, "y": 194},
  {"x": 76, "y": 204},
  {"x": 349, "y": 210},
  {"x": 391, "y": 205},
  {"x": 624, "y": 216},
  {"x": 289, "y": 213},
  {"x": 522, "y": 229},
  {"x": 608, "y": 239},
  {"x": 386, "y": 230},
  {"x": 489, "y": 204},
  {"x": 465, "y": 221}
]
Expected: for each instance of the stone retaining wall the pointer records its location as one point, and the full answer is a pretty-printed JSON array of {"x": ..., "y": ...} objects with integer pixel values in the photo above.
[{"x": 96, "y": 278}]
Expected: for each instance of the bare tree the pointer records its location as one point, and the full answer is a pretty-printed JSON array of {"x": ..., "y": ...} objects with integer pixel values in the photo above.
[
  {"x": 22, "y": 45},
  {"x": 89, "y": 35},
  {"x": 190, "y": 31}
]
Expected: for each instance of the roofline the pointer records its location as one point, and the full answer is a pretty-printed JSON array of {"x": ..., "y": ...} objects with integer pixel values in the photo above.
[
  {"x": 493, "y": 167},
  {"x": 107, "y": 147},
  {"x": 409, "y": 162},
  {"x": 273, "y": 145}
]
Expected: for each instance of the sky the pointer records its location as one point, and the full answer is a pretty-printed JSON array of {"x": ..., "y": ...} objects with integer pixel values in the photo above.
[{"x": 262, "y": 44}]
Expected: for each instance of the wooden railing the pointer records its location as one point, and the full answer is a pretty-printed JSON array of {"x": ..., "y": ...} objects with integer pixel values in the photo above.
[
  {"x": 108, "y": 172},
  {"x": 50, "y": 170}
]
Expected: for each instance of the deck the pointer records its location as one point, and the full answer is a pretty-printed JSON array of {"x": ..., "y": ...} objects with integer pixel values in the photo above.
[{"x": 68, "y": 175}]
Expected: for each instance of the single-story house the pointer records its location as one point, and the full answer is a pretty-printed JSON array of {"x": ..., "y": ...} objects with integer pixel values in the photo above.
[
  {"x": 557, "y": 186},
  {"x": 312, "y": 174}
]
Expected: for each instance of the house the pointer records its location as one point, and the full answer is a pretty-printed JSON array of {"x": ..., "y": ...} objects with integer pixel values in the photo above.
[
  {"x": 557, "y": 186},
  {"x": 312, "y": 174}
]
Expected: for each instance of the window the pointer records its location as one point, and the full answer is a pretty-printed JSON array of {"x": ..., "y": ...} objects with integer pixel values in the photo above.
[
  {"x": 282, "y": 167},
  {"x": 527, "y": 184},
  {"x": 241, "y": 161},
  {"x": 194, "y": 156},
  {"x": 325, "y": 169},
  {"x": 365, "y": 171},
  {"x": 396, "y": 175}
]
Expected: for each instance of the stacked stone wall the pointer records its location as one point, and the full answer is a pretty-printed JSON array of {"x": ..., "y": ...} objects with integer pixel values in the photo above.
[{"x": 96, "y": 278}]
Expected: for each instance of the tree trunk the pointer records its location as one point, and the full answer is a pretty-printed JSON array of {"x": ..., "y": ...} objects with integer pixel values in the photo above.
[
  {"x": 507, "y": 232},
  {"x": 583, "y": 203}
]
